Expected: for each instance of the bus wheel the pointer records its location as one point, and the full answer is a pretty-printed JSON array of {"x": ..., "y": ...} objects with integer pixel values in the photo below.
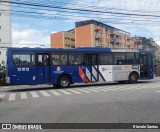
[
  {"x": 64, "y": 81},
  {"x": 133, "y": 77}
]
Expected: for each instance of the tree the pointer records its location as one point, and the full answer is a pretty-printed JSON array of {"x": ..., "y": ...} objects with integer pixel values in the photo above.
[{"x": 146, "y": 43}]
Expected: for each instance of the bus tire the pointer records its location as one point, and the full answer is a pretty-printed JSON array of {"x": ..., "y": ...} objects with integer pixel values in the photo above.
[
  {"x": 133, "y": 77},
  {"x": 64, "y": 81}
]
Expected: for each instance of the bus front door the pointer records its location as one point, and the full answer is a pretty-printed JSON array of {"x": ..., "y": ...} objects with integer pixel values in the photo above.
[
  {"x": 143, "y": 65},
  {"x": 43, "y": 68},
  {"x": 92, "y": 67}
]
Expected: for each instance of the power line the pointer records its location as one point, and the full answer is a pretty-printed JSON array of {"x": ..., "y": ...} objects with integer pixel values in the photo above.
[
  {"x": 82, "y": 10},
  {"x": 98, "y": 17},
  {"x": 54, "y": 17}
]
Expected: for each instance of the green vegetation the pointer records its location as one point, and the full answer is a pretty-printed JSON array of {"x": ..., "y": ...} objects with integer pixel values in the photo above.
[{"x": 2, "y": 76}]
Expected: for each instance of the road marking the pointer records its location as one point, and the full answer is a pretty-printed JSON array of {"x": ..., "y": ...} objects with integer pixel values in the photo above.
[
  {"x": 112, "y": 89},
  {"x": 2, "y": 96},
  {"x": 158, "y": 91},
  {"x": 23, "y": 95},
  {"x": 132, "y": 87},
  {"x": 34, "y": 95},
  {"x": 100, "y": 89},
  {"x": 82, "y": 90},
  {"x": 91, "y": 89},
  {"x": 65, "y": 92},
  {"x": 117, "y": 89},
  {"x": 54, "y": 92},
  {"x": 74, "y": 91},
  {"x": 5, "y": 87},
  {"x": 44, "y": 93},
  {"x": 12, "y": 97}
]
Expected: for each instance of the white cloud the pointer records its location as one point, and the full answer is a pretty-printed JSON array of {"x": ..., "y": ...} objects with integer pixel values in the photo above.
[
  {"x": 158, "y": 42},
  {"x": 34, "y": 36},
  {"x": 140, "y": 28},
  {"x": 30, "y": 38}
]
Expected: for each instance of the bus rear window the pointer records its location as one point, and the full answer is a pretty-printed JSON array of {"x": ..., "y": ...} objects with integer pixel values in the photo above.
[{"x": 23, "y": 59}]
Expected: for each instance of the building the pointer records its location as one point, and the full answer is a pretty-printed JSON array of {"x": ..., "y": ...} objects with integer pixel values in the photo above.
[
  {"x": 63, "y": 39},
  {"x": 5, "y": 29},
  {"x": 92, "y": 33}
]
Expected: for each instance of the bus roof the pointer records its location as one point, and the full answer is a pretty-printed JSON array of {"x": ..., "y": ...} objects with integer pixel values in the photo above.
[{"x": 79, "y": 49}]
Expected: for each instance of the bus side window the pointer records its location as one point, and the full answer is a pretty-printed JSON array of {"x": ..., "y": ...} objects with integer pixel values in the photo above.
[
  {"x": 64, "y": 59},
  {"x": 56, "y": 59},
  {"x": 59, "y": 59},
  {"x": 76, "y": 59},
  {"x": 23, "y": 59},
  {"x": 46, "y": 60},
  {"x": 40, "y": 60},
  {"x": 119, "y": 58},
  {"x": 131, "y": 59},
  {"x": 105, "y": 59},
  {"x": 150, "y": 59}
]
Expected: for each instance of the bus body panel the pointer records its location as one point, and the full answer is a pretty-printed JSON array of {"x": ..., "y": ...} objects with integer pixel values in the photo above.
[
  {"x": 122, "y": 72},
  {"x": 72, "y": 71},
  {"x": 43, "y": 74},
  {"x": 150, "y": 72},
  {"x": 89, "y": 72},
  {"x": 23, "y": 75}
]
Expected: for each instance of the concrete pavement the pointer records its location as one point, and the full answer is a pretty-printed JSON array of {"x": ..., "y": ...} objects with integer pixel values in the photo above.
[{"x": 108, "y": 103}]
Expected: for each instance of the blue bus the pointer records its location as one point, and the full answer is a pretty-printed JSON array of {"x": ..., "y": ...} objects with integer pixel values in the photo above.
[{"x": 63, "y": 67}]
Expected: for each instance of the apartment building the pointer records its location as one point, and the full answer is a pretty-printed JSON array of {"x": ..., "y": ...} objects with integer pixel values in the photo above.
[
  {"x": 5, "y": 29},
  {"x": 91, "y": 33},
  {"x": 64, "y": 39}
]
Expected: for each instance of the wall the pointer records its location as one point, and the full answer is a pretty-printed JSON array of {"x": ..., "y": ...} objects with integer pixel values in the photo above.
[
  {"x": 57, "y": 40},
  {"x": 5, "y": 29},
  {"x": 69, "y": 39},
  {"x": 83, "y": 36}
]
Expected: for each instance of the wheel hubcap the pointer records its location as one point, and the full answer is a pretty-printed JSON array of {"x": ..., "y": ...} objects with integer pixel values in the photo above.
[
  {"x": 64, "y": 82},
  {"x": 133, "y": 78}
]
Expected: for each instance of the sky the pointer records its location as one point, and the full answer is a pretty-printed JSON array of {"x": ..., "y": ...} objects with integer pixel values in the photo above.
[{"x": 32, "y": 25}]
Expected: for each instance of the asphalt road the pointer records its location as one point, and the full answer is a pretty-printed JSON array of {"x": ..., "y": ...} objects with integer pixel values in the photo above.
[{"x": 101, "y": 103}]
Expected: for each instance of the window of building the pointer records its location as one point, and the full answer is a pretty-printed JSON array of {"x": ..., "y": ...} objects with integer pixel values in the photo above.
[
  {"x": 67, "y": 45},
  {"x": 107, "y": 36},
  {"x": 65, "y": 37},
  {"x": 119, "y": 58},
  {"x": 72, "y": 46},
  {"x": 105, "y": 59},
  {"x": 23, "y": 59},
  {"x": 76, "y": 59},
  {"x": 59, "y": 59},
  {"x": 72, "y": 39}
]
